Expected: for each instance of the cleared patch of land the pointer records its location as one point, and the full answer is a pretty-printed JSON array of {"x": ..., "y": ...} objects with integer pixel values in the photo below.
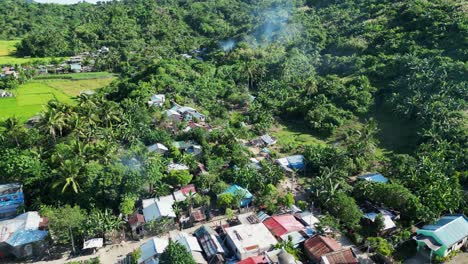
[
  {"x": 7, "y": 55},
  {"x": 32, "y": 96},
  {"x": 294, "y": 134}
]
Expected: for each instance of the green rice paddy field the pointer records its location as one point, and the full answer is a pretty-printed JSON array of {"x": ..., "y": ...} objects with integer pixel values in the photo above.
[{"x": 31, "y": 97}]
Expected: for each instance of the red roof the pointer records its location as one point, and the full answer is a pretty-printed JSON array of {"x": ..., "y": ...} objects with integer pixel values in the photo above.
[
  {"x": 345, "y": 256},
  {"x": 135, "y": 219},
  {"x": 317, "y": 246},
  {"x": 186, "y": 189},
  {"x": 254, "y": 260},
  {"x": 283, "y": 224}
]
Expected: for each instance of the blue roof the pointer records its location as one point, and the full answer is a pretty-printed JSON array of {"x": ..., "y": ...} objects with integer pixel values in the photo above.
[
  {"x": 371, "y": 216},
  {"x": 295, "y": 159},
  {"x": 24, "y": 237},
  {"x": 449, "y": 229},
  {"x": 375, "y": 177},
  {"x": 235, "y": 188}
]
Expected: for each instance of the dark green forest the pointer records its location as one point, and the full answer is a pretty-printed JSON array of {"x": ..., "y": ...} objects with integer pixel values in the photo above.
[{"x": 383, "y": 83}]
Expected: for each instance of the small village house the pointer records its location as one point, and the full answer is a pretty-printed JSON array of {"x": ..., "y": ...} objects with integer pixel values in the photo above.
[
  {"x": 158, "y": 148},
  {"x": 176, "y": 166},
  {"x": 179, "y": 113},
  {"x": 210, "y": 244},
  {"x": 189, "y": 147},
  {"x": 23, "y": 236},
  {"x": 152, "y": 249},
  {"x": 282, "y": 225},
  {"x": 343, "y": 256},
  {"x": 181, "y": 195},
  {"x": 156, "y": 208},
  {"x": 449, "y": 233},
  {"x": 192, "y": 246},
  {"x": 373, "y": 177},
  {"x": 249, "y": 240},
  {"x": 236, "y": 190},
  {"x": 318, "y": 246},
  {"x": 157, "y": 100},
  {"x": 290, "y": 163}
]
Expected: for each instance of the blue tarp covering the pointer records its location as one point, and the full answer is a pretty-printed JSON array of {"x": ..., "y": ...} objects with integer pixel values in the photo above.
[
  {"x": 376, "y": 177},
  {"x": 296, "y": 162},
  {"x": 24, "y": 237}
]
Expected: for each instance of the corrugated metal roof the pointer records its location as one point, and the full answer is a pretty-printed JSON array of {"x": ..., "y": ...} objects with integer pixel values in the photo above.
[
  {"x": 235, "y": 188},
  {"x": 449, "y": 229},
  {"x": 283, "y": 224},
  {"x": 254, "y": 260},
  {"x": 375, "y": 177},
  {"x": 345, "y": 256},
  {"x": 317, "y": 246}
]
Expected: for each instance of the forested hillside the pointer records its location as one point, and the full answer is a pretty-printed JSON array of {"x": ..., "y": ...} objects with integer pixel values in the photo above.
[{"x": 384, "y": 84}]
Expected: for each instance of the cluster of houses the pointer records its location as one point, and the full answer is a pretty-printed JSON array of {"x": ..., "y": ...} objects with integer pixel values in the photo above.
[
  {"x": 252, "y": 240},
  {"x": 8, "y": 72},
  {"x": 21, "y": 235}
]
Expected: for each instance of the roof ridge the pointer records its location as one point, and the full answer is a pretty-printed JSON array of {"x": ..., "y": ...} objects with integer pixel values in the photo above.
[{"x": 447, "y": 224}]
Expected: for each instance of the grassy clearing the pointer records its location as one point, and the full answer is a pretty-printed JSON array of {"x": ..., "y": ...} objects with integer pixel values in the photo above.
[
  {"x": 74, "y": 87},
  {"x": 76, "y": 76},
  {"x": 7, "y": 57},
  {"x": 31, "y": 97},
  {"x": 294, "y": 134}
]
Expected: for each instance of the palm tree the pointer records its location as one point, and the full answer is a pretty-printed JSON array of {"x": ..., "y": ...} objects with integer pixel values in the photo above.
[
  {"x": 14, "y": 128},
  {"x": 68, "y": 173},
  {"x": 190, "y": 198},
  {"x": 53, "y": 122}
]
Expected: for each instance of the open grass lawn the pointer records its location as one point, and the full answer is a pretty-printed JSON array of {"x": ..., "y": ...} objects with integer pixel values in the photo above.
[
  {"x": 7, "y": 57},
  {"x": 294, "y": 134},
  {"x": 76, "y": 76},
  {"x": 32, "y": 96}
]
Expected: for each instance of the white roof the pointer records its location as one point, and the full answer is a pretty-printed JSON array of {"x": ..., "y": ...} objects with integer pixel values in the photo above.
[
  {"x": 251, "y": 238},
  {"x": 171, "y": 112},
  {"x": 283, "y": 162},
  {"x": 152, "y": 247},
  {"x": 198, "y": 257},
  {"x": 309, "y": 218},
  {"x": 157, "y": 146},
  {"x": 190, "y": 242},
  {"x": 93, "y": 243},
  {"x": 155, "y": 208},
  {"x": 158, "y": 97},
  {"x": 26, "y": 221},
  {"x": 177, "y": 166}
]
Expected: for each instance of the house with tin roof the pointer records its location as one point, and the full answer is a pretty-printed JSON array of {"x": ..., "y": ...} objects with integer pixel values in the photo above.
[
  {"x": 448, "y": 234},
  {"x": 318, "y": 246},
  {"x": 373, "y": 177},
  {"x": 282, "y": 225}
]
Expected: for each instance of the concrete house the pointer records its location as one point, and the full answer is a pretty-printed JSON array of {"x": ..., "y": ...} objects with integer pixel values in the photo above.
[
  {"x": 249, "y": 240},
  {"x": 449, "y": 233},
  {"x": 157, "y": 100}
]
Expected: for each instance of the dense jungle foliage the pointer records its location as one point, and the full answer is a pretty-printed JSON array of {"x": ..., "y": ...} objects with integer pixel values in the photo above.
[{"x": 354, "y": 73}]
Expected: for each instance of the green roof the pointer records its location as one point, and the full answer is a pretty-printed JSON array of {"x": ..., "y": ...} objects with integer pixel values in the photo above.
[{"x": 448, "y": 229}]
